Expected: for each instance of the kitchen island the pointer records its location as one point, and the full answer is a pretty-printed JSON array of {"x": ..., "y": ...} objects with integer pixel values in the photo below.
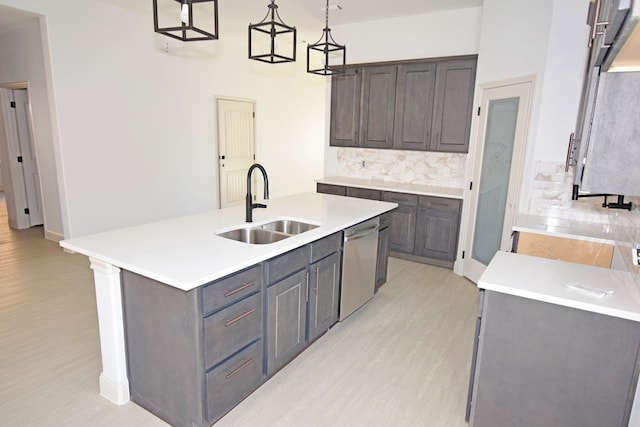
[
  {"x": 558, "y": 344},
  {"x": 184, "y": 254}
]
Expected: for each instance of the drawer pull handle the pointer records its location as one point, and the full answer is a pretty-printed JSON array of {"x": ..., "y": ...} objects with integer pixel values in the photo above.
[
  {"x": 242, "y": 316},
  {"x": 240, "y": 289},
  {"x": 239, "y": 368}
]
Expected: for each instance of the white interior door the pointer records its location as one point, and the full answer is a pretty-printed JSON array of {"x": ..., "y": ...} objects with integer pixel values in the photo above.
[
  {"x": 497, "y": 172},
  {"x": 236, "y": 148},
  {"x": 22, "y": 181}
]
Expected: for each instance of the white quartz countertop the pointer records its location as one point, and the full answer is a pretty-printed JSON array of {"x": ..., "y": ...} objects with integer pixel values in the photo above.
[
  {"x": 426, "y": 190},
  {"x": 599, "y": 290},
  {"x": 186, "y": 253}
]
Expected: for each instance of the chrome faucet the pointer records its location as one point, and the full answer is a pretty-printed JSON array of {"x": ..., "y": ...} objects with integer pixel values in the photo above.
[{"x": 249, "y": 202}]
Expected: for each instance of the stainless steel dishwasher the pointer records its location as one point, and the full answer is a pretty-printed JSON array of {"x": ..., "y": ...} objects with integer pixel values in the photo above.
[{"x": 358, "y": 266}]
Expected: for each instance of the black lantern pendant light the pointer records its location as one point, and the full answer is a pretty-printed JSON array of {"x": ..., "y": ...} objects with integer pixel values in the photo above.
[
  {"x": 324, "y": 51},
  {"x": 266, "y": 32},
  {"x": 182, "y": 26}
]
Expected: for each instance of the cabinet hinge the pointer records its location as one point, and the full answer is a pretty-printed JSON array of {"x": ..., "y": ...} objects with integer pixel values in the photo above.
[
  {"x": 254, "y": 114},
  {"x": 470, "y": 185},
  {"x": 478, "y": 110},
  {"x": 12, "y": 104},
  {"x": 26, "y": 211},
  {"x": 19, "y": 159},
  {"x": 462, "y": 254}
]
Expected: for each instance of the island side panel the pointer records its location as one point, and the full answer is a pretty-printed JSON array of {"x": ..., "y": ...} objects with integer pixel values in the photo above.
[
  {"x": 163, "y": 330},
  {"x": 545, "y": 364}
]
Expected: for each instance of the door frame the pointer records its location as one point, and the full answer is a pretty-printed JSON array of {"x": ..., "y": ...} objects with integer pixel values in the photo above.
[{"x": 474, "y": 163}]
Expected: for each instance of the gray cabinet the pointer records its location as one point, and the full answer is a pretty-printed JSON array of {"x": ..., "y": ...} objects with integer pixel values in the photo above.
[
  {"x": 542, "y": 364},
  {"x": 345, "y": 108},
  {"x": 378, "y": 105},
  {"x": 413, "y": 105},
  {"x": 437, "y": 228},
  {"x": 193, "y": 355},
  {"x": 453, "y": 105},
  {"x": 287, "y": 319},
  {"x": 324, "y": 294},
  {"x": 382, "y": 261},
  {"x": 422, "y": 228},
  {"x": 402, "y": 231}
]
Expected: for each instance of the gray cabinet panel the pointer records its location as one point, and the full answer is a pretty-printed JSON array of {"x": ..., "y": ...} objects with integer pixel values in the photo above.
[
  {"x": 230, "y": 382},
  {"x": 403, "y": 229},
  {"x": 414, "y": 106},
  {"x": 284, "y": 265},
  {"x": 382, "y": 261},
  {"x": 231, "y": 289},
  {"x": 541, "y": 364},
  {"x": 287, "y": 319},
  {"x": 337, "y": 190},
  {"x": 437, "y": 234},
  {"x": 323, "y": 247},
  {"x": 345, "y": 108},
  {"x": 453, "y": 105},
  {"x": 324, "y": 294},
  {"x": 232, "y": 328},
  {"x": 378, "y": 106},
  {"x": 363, "y": 193}
]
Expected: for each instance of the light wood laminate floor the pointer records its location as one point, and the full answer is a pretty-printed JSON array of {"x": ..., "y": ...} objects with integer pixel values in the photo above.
[{"x": 401, "y": 360}]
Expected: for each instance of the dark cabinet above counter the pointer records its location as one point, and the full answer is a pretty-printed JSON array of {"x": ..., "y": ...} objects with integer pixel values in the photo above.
[{"x": 423, "y": 105}]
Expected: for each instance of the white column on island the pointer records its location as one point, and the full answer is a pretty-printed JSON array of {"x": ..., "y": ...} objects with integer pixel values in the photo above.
[{"x": 114, "y": 384}]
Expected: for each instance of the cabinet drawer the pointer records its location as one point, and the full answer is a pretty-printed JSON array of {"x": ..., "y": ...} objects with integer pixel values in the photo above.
[
  {"x": 400, "y": 198},
  {"x": 233, "y": 380},
  {"x": 283, "y": 265},
  {"x": 440, "y": 203},
  {"x": 363, "y": 193},
  {"x": 232, "y": 328},
  {"x": 326, "y": 246},
  {"x": 232, "y": 288},
  {"x": 338, "y": 190}
]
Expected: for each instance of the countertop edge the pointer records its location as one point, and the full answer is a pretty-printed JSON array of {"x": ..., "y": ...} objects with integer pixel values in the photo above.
[{"x": 419, "y": 189}]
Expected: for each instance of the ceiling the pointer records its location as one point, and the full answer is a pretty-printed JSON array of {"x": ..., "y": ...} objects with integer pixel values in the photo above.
[{"x": 293, "y": 12}]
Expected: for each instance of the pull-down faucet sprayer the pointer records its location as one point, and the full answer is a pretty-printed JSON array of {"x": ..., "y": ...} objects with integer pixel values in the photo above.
[{"x": 249, "y": 201}]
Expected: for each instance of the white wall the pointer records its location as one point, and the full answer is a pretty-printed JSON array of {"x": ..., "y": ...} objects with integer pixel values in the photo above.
[
  {"x": 137, "y": 130},
  {"x": 22, "y": 59}
]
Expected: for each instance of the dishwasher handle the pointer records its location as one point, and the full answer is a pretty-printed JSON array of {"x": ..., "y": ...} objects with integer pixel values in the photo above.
[{"x": 362, "y": 233}]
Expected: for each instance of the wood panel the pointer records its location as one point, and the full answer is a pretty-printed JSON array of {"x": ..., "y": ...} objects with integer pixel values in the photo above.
[{"x": 565, "y": 249}]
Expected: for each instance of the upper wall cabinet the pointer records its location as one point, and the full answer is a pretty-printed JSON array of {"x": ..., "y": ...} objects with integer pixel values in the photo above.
[
  {"x": 414, "y": 105},
  {"x": 345, "y": 108}
]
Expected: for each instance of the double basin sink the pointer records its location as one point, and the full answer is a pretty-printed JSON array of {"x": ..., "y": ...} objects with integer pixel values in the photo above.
[{"x": 269, "y": 232}]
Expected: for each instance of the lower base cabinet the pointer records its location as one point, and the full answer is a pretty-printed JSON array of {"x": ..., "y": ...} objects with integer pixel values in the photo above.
[
  {"x": 542, "y": 364},
  {"x": 194, "y": 355}
]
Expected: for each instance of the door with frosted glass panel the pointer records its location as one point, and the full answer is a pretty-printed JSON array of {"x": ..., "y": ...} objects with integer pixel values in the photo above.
[{"x": 497, "y": 173}]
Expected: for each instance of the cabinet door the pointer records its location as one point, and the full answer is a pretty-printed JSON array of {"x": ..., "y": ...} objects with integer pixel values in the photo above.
[
  {"x": 378, "y": 106},
  {"x": 403, "y": 229},
  {"x": 453, "y": 105},
  {"x": 287, "y": 320},
  {"x": 437, "y": 234},
  {"x": 324, "y": 291},
  {"x": 414, "y": 106},
  {"x": 382, "y": 260},
  {"x": 345, "y": 108}
]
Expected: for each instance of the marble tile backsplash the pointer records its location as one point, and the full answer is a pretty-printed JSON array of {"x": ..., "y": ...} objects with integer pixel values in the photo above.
[
  {"x": 551, "y": 197},
  {"x": 415, "y": 167}
]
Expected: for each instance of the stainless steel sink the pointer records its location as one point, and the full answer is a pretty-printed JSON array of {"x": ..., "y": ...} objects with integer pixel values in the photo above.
[
  {"x": 289, "y": 226},
  {"x": 269, "y": 232}
]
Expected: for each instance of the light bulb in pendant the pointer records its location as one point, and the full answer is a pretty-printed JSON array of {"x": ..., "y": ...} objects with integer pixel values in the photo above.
[{"x": 184, "y": 13}]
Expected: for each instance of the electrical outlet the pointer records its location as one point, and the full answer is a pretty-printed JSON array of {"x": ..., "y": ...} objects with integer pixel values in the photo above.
[
  {"x": 635, "y": 253},
  {"x": 362, "y": 164}
]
